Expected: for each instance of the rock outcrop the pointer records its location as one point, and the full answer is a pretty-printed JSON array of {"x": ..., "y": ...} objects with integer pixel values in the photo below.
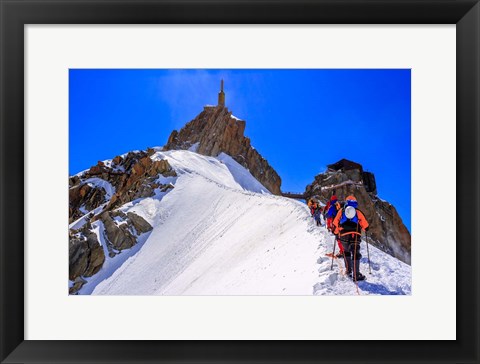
[
  {"x": 84, "y": 197},
  {"x": 387, "y": 231},
  {"x": 215, "y": 130},
  {"x": 130, "y": 177},
  {"x": 95, "y": 195},
  {"x": 86, "y": 256}
]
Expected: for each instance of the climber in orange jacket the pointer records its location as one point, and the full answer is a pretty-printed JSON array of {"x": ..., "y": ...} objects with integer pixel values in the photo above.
[
  {"x": 312, "y": 205},
  {"x": 348, "y": 225}
]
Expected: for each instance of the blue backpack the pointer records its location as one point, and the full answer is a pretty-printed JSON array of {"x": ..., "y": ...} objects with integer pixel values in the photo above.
[
  {"x": 344, "y": 217},
  {"x": 333, "y": 209}
]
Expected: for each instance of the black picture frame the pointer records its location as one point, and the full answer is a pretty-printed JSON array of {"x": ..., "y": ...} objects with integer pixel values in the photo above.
[{"x": 15, "y": 14}]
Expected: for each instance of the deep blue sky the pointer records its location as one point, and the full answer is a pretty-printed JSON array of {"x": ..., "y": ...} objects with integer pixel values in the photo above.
[{"x": 299, "y": 120}]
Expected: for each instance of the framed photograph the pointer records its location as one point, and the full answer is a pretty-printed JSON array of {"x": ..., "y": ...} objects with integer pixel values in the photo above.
[
  {"x": 209, "y": 212},
  {"x": 239, "y": 181}
]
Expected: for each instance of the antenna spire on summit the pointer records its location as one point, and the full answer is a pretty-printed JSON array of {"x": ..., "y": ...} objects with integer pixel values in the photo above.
[{"x": 221, "y": 95}]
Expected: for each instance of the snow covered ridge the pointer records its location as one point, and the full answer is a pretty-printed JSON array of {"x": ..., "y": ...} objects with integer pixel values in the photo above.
[{"x": 210, "y": 228}]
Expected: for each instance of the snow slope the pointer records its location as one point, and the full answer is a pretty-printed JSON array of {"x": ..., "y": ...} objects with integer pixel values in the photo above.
[{"x": 220, "y": 232}]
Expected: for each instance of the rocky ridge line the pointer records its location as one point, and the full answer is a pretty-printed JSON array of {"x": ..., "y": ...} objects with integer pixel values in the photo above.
[{"x": 216, "y": 130}]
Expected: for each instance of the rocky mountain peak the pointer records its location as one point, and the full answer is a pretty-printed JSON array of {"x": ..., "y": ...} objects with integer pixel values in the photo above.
[
  {"x": 387, "y": 230},
  {"x": 216, "y": 130}
]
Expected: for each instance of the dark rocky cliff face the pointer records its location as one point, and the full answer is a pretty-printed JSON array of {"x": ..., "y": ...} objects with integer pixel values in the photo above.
[
  {"x": 215, "y": 130},
  {"x": 95, "y": 195},
  {"x": 132, "y": 176},
  {"x": 387, "y": 231}
]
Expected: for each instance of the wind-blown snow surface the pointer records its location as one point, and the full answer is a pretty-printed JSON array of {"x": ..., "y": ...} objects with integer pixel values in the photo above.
[{"x": 220, "y": 232}]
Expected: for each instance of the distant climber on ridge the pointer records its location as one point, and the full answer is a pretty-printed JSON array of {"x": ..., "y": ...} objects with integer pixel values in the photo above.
[
  {"x": 348, "y": 225},
  {"x": 330, "y": 211},
  {"x": 312, "y": 205},
  {"x": 317, "y": 214}
]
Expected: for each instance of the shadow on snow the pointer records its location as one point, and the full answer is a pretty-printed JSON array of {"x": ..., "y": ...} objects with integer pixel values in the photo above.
[{"x": 377, "y": 289}]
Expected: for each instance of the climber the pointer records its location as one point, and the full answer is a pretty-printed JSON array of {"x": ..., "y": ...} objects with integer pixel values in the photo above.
[
  {"x": 317, "y": 214},
  {"x": 313, "y": 206},
  {"x": 310, "y": 205},
  {"x": 348, "y": 225},
  {"x": 330, "y": 211}
]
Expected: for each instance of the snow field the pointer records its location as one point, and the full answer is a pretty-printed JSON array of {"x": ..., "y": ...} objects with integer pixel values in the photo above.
[
  {"x": 214, "y": 240},
  {"x": 220, "y": 232}
]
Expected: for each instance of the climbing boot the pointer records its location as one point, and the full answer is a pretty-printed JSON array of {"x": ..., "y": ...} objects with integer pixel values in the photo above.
[
  {"x": 348, "y": 264},
  {"x": 357, "y": 276}
]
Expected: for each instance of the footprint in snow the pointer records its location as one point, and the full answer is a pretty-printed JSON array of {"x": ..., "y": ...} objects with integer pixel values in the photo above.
[
  {"x": 325, "y": 268},
  {"x": 322, "y": 259},
  {"x": 332, "y": 278}
]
